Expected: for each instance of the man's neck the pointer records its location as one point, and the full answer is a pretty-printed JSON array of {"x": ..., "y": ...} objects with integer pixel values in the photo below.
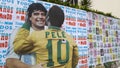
[{"x": 38, "y": 28}]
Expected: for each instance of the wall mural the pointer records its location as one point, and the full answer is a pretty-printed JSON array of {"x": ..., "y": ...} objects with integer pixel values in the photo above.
[{"x": 97, "y": 36}]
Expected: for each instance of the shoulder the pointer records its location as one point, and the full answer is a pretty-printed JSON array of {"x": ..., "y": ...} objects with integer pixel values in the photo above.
[
  {"x": 14, "y": 31},
  {"x": 70, "y": 38},
  {"x": 38, "y": 33}
]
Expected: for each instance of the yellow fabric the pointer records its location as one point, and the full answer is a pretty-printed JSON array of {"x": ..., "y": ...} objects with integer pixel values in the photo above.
[
  {"x": 100, "y": 66},
  {"x": 38, "y": 41}
]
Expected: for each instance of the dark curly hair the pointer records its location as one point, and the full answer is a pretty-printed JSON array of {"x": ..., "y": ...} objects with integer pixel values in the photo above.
[
  {"x": 35, "y": 6},
  {"x": 55, "y": 16},
  {"x": 32, "y": 7}
]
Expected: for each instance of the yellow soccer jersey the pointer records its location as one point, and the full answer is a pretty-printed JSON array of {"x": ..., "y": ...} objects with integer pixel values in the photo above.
[{"x": 53, "y": 47}]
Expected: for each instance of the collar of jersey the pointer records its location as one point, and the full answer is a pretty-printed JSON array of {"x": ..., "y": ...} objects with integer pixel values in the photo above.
[{"x": 53, "y": 27}]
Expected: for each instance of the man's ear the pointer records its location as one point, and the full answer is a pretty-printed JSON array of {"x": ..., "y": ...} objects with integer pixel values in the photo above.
[
  {"x": 47, "y": 21},
  {"x": 30, "y": 18}
]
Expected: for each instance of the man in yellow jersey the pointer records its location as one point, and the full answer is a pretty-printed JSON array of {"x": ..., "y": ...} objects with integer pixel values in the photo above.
[
  {"x": 35, "y": 21},
  {"x": 53, "y": 46}
]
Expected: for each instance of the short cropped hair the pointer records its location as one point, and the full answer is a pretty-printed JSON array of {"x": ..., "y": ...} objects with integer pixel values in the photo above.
[{"x": 56, "y": 16}]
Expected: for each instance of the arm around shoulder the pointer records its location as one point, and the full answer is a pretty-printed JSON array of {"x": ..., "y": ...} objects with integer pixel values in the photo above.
[{"x": 21, "y": 43}]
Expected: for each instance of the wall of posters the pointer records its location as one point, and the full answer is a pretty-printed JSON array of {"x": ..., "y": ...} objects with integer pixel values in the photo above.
[
  {"x": 103, "y": 39},
  {"x": 97, "y": 36},
  {"x": 6, "y": 22},
  {"x": 12, "y": 15}
]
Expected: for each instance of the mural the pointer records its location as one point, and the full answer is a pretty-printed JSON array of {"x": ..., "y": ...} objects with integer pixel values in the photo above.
[{"x": 97, "y": 36}]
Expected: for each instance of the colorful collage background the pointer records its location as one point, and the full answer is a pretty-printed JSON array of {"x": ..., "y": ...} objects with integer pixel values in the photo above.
[
  {"x": 103, "y": 39},
  {"x": 97, "y": 36}
]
